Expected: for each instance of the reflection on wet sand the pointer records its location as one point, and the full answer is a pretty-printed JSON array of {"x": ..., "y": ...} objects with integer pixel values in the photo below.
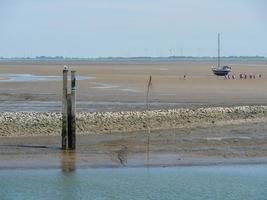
[
  {"x": 120, "y": 155},
  {"x": 68, "y": 161},
  {"x": 13, "y": 77}
]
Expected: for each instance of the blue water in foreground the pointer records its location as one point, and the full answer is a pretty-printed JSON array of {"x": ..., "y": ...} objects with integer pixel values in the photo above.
[{"x": 212, "y": 182}]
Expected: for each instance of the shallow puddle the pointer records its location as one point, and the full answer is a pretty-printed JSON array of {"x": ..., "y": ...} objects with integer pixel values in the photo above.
[{"x": 10, "y": 77}]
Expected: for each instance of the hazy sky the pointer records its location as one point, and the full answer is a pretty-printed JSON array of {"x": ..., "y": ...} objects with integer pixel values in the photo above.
[{"x": 95, "y": 28}]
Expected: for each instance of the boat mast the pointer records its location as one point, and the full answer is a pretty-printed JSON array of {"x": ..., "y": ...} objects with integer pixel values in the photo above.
[{"x": 219, "y": 50}]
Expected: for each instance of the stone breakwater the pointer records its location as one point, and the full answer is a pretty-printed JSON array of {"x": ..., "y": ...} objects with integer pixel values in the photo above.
[{"x": 34, "y": 123}]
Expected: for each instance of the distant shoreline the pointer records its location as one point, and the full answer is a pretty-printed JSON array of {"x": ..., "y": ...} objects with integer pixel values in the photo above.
[{"x": 130, "y": 59}]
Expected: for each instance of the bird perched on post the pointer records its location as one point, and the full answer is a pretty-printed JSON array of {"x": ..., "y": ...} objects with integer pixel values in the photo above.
[{"x": 66, "y": 67}]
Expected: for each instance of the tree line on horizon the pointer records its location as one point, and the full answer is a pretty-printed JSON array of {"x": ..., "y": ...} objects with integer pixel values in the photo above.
[{"x": 131, "y": 58}]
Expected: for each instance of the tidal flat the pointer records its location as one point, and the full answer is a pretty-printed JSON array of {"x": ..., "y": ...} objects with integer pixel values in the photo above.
[
  {"x": 179, "y": 114},
  {"x": 231, "y": 144}
]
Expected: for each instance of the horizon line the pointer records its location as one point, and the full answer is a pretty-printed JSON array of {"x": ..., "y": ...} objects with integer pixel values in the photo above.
[{"x": 123, "y": 57}]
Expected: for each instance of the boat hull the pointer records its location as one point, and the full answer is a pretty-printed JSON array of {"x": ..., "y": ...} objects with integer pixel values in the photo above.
[{"x": 221, "y": 72}]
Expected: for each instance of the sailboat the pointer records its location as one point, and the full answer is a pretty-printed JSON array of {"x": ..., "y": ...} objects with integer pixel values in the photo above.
[{"x": 220, "y": 70}]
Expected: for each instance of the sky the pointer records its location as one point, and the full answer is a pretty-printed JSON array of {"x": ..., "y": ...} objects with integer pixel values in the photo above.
[{"x": 103, "y": 28}]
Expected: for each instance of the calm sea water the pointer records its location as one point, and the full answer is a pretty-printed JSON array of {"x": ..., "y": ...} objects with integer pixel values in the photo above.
[{"x": 212, "y": 182}]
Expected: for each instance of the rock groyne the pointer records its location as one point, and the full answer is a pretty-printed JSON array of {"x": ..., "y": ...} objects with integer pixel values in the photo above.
[{"x": 34, "y": 123}]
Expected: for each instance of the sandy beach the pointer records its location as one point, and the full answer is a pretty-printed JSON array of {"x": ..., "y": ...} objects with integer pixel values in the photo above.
[
  {"x": 198, "y": 120},
  {"x": 127, "y": 81}
]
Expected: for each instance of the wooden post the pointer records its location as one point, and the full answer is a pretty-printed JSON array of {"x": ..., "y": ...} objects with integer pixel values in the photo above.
[
  {"x": 69, "y": 112},
  {"x": 73, "y": 110},
  {"x": 64, "y": 131},
  {"x": 69, "y": 122}
]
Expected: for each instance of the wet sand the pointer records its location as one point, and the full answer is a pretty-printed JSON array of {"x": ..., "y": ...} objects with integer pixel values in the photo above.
[
  {"x": 232, "y": 144},
  {"x": 126, "y": 82}
]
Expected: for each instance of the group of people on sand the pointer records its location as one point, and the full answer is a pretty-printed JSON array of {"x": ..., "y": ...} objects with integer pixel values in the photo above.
[{"x": 243, "y": 76}]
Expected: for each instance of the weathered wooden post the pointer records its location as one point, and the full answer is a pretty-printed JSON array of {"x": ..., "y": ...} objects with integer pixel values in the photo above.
[
  {"x": 69, "y": 112},
  {"x": 64, "y": 131},
  {"x": 73, "y": 110},
  {"x": 69, "y": 122}
]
